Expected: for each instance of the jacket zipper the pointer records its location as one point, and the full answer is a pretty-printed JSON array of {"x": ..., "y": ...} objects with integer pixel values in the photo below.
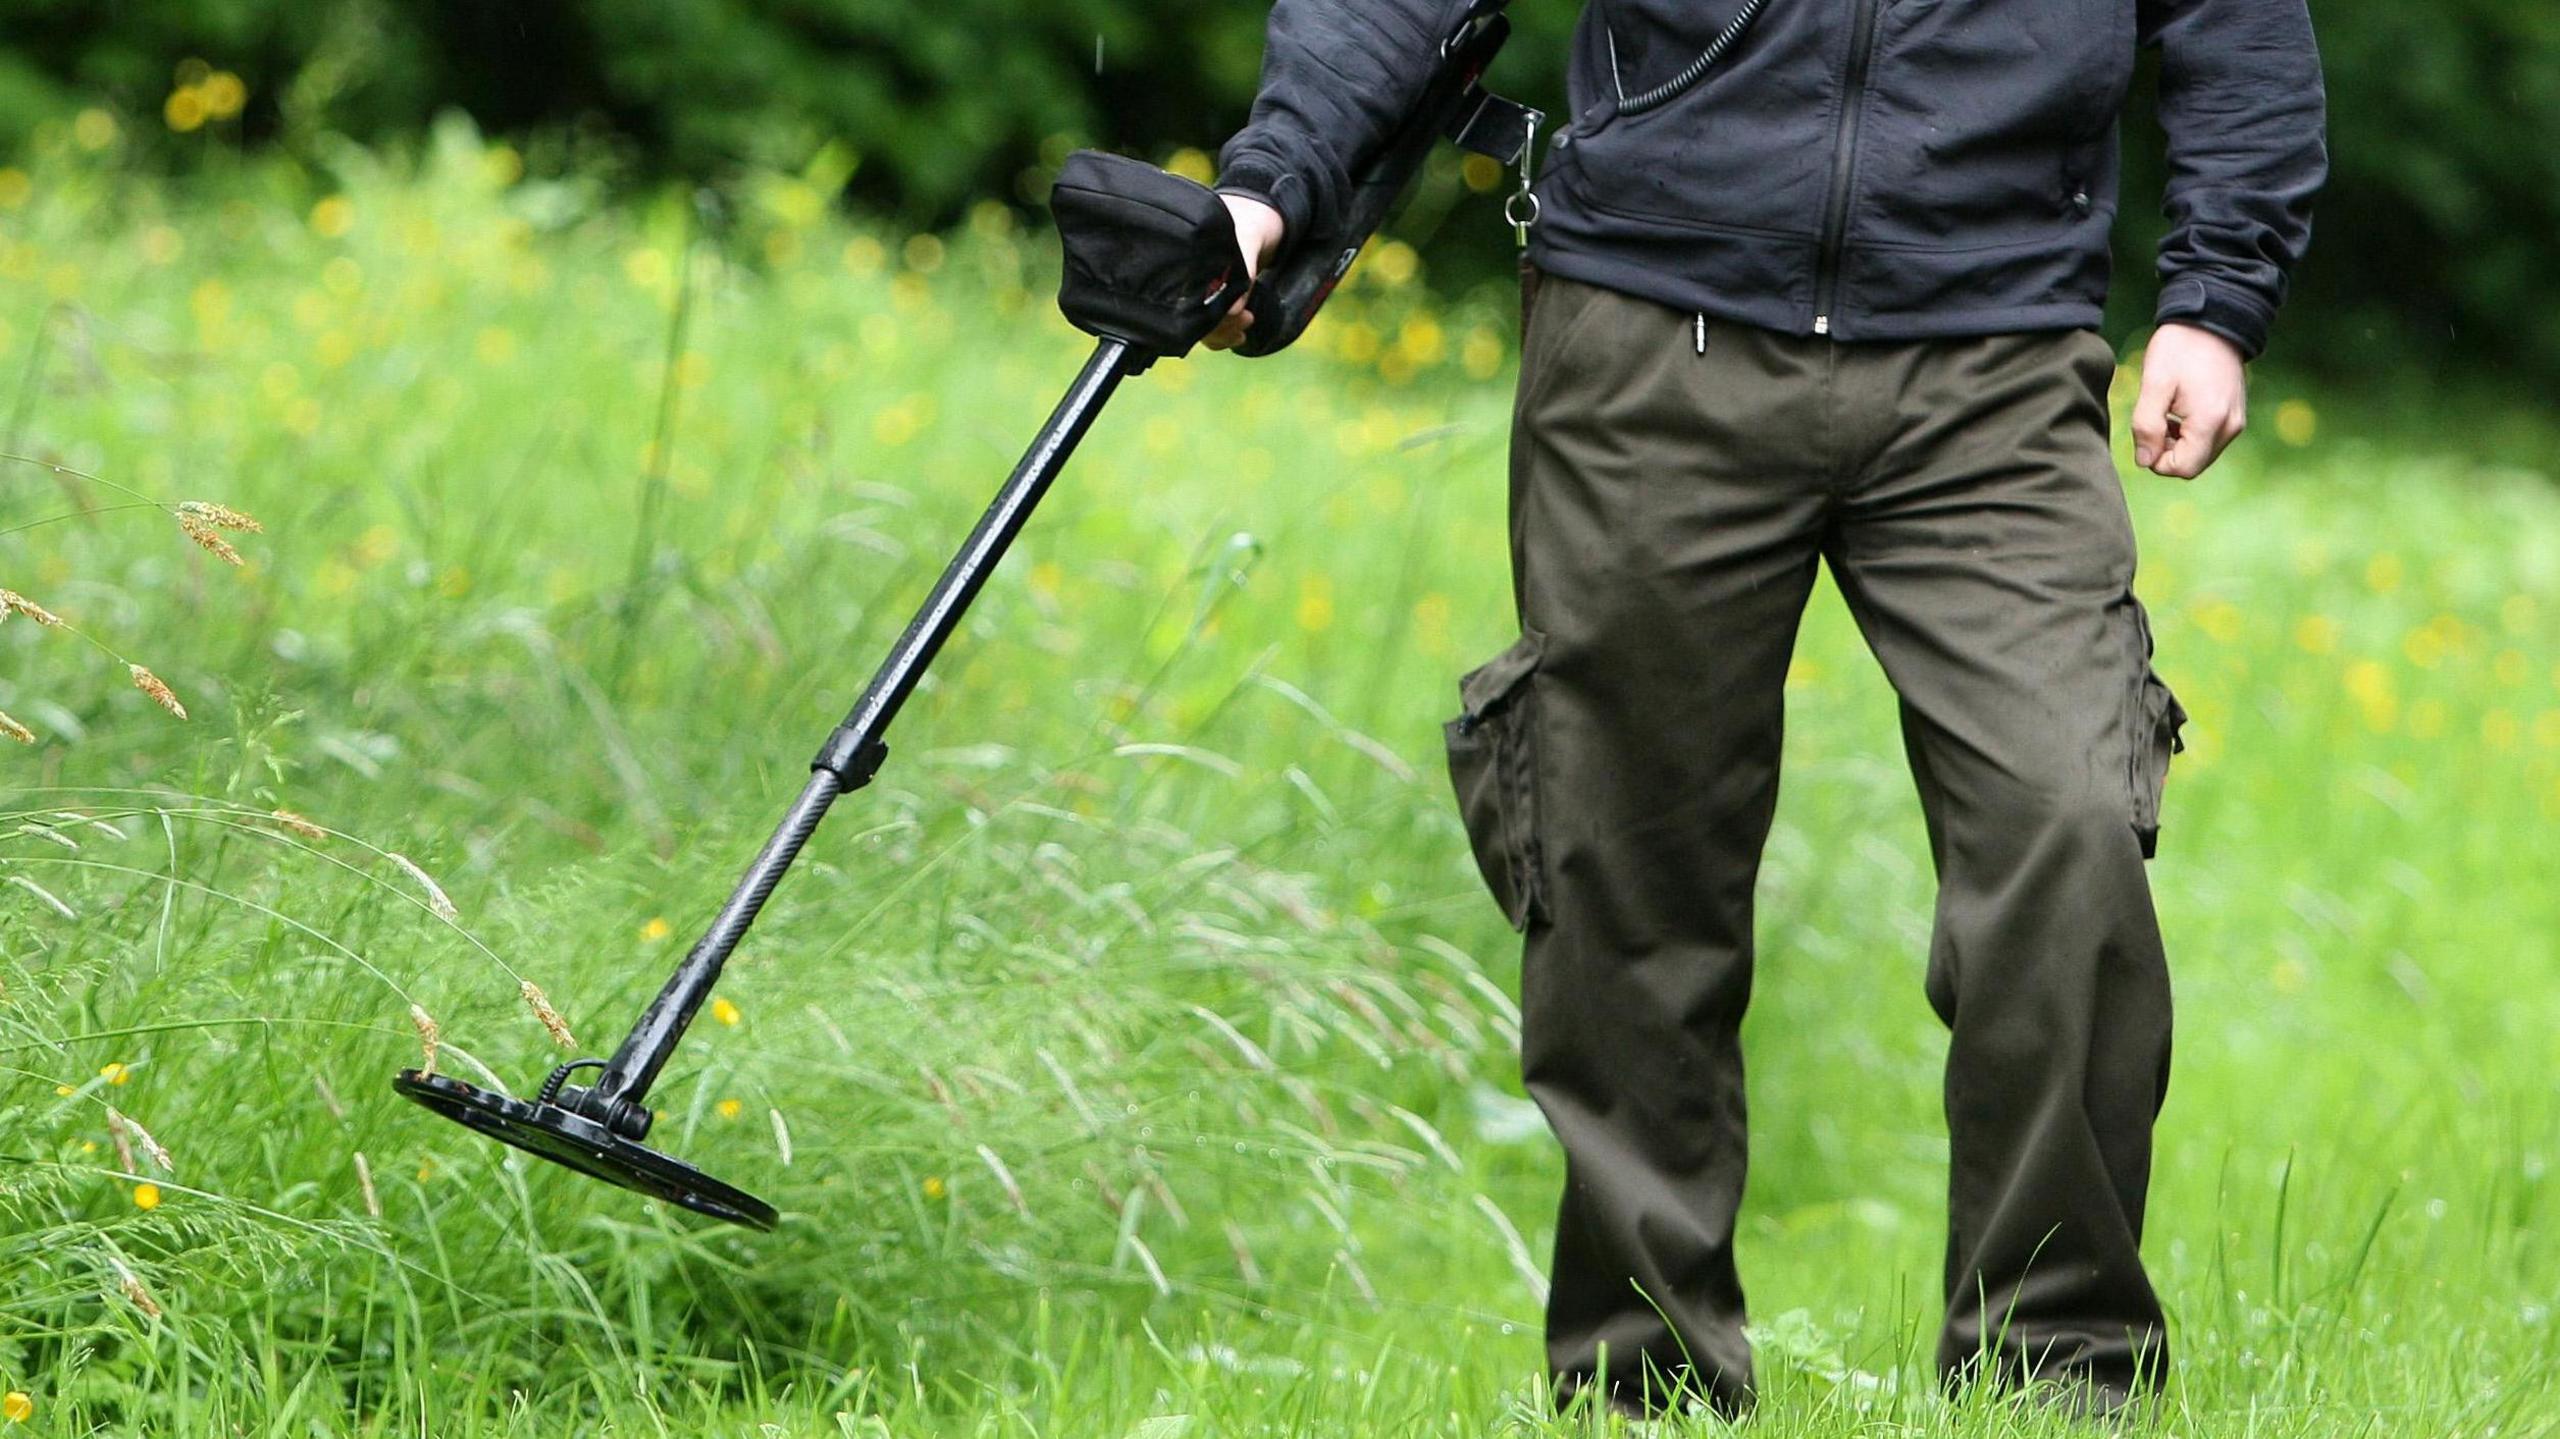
[{"x": 1835, "y": 218}]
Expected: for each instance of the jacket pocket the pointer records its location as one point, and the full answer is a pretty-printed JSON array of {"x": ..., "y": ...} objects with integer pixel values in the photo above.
[{"x": 1493, "y": 765}]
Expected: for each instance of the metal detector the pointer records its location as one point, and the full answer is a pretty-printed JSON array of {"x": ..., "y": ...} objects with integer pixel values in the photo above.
[{"x": 1151, "y": 268}]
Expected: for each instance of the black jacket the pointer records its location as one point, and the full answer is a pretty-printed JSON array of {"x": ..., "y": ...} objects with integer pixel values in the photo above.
[{"x": 1866, "y": 169}]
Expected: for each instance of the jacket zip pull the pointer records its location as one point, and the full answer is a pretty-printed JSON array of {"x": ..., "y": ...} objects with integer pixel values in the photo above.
[{"x": 1702, "y": 332}]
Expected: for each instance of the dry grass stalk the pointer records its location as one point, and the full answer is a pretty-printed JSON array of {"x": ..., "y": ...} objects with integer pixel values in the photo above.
[
  {"x": 430, "y": 1036},
  {"x": 134, "y": 1291},
  {"x": 364, "y": 1181},
  {"x": 15, "y": 730},
  {"x": 12, "y": 602},
  {"x": 122, "y": 1124},
  {"x": 540, "y": 1003},
  {"x": 161, "y": 695},
  {"x": 123, "y": 1141},
  {"x": 298, "y": 824},
  {"x": 437, "y": 900}
]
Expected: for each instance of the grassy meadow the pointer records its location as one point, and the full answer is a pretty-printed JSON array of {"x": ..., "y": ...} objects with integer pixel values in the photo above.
[{"x": 1135, "y": 1059}]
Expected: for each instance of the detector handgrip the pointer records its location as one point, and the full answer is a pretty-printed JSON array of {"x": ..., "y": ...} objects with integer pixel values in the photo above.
[
  {"x": 1151, "y": 258},
  {"x": 1287, "y": 295}
]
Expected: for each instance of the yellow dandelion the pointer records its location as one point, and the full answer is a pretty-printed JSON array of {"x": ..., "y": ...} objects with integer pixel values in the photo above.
[
  {"x": 15, "y": 730},
  {"x": 184, "y": 110},
  {"x": 2382, "y": 574},
  {"x": 2297, "y": 424},
  {"x": 66, "y": 1091},
  {"x": 333, "y": 217},
  {"x": 2500, "y": 729},
  {"x": 161, "y": 695},
  {"x": 2316, "y": 634},
  {"x": 728, "y": 1108},
  {"x": 864, "y": 255},
  {"x": 656, "y": 929},
  {"x": 934, "y": 1188},
  {"x": 146, "y": 1196},
  {"x": 1394, "y": 263},
  {"x": 16, "y": 1407},
  {"x": 725, "y": 1012},
  {"x": 115, "y": 1074},
  {"x": 224, "y": 94},
  {"x": 1315, "y": 604},
  {"x": 1193, "y": 165},
  {"x": 1480, "y": 172}
]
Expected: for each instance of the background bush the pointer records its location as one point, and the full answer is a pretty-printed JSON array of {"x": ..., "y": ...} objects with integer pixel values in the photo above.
[{"x": 2432, "y": 248}]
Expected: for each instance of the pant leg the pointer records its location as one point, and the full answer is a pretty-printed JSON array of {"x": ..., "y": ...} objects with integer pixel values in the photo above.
[
  {"x": 1666, "y": 519},
  {"x": 1987, "y": 554}
]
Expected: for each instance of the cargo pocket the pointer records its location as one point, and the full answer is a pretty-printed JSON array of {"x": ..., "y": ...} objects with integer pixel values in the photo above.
[
  {"x": 2158, "y": 728},
  {"x": 1493, "y": 765}
]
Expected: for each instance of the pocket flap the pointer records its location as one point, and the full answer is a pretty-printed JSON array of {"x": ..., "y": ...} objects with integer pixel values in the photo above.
[{"x": 1484, "y": 688}]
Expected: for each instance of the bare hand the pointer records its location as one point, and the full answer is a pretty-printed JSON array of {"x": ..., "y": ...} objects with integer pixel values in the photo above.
[
  {"x": 1258, "y": 230},
  {"x": 2195, "y": 402}
]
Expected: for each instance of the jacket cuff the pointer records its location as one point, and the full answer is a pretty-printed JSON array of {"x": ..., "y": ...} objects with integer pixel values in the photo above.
[
  {"x": 1257, "y": 176},
  {"x": 2234, "y": 314}
]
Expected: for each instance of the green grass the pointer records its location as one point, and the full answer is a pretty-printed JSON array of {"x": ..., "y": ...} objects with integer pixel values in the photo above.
[{"x": 1142, "y": 1043}]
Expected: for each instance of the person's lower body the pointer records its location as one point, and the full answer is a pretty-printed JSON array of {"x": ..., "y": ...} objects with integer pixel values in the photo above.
[{"x": 1619, "y": 767}]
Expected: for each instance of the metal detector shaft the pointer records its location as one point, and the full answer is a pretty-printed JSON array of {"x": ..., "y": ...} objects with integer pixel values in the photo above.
[{"x": 852, "y": 754}]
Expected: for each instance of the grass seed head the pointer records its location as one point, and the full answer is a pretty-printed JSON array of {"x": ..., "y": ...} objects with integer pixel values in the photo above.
[
  {"x": 207, "y": 537},
  {"x": 437, "y": 899},
  {"x": 15, "y": 730},
  {"x": 364, "y": 1179},
  {"x": 298, "y": 824},
  {"x": 161, "y": 695},
  {"x": 218, "y": 516},
  {"x": 12, "y": 602},
  {"x": 122, "y": 1125},
  {"x": 134, "y": 1290},
  {"x": 540, "y": 1004},
  {"x": 430, "y": 1036}
]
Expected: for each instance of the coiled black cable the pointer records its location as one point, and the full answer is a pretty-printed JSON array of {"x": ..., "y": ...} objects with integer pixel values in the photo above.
[{"x": 1682, "y": 83}]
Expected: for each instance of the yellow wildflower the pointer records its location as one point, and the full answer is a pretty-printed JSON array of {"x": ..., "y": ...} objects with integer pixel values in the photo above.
[
  {"x": 333, "y": 217},
  {"x": 184, "y": 110},
  {"x": 146, "y": 1196}
]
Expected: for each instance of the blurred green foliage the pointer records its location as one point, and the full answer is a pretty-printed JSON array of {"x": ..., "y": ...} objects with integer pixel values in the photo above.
[{"x": 2431, "y": 249}]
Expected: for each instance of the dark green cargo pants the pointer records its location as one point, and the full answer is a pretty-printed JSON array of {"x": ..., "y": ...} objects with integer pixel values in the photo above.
[{"x": 1619, "y": 765}]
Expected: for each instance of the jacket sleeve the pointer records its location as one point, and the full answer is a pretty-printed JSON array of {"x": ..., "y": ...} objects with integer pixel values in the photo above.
[
  {"x": 2242, "y": 103},
  {"x": 1336, "y": 76}
]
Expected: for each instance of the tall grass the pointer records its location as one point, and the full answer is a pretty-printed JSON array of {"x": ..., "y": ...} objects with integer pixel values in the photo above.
[{"x": 1140, "y": 1046}]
